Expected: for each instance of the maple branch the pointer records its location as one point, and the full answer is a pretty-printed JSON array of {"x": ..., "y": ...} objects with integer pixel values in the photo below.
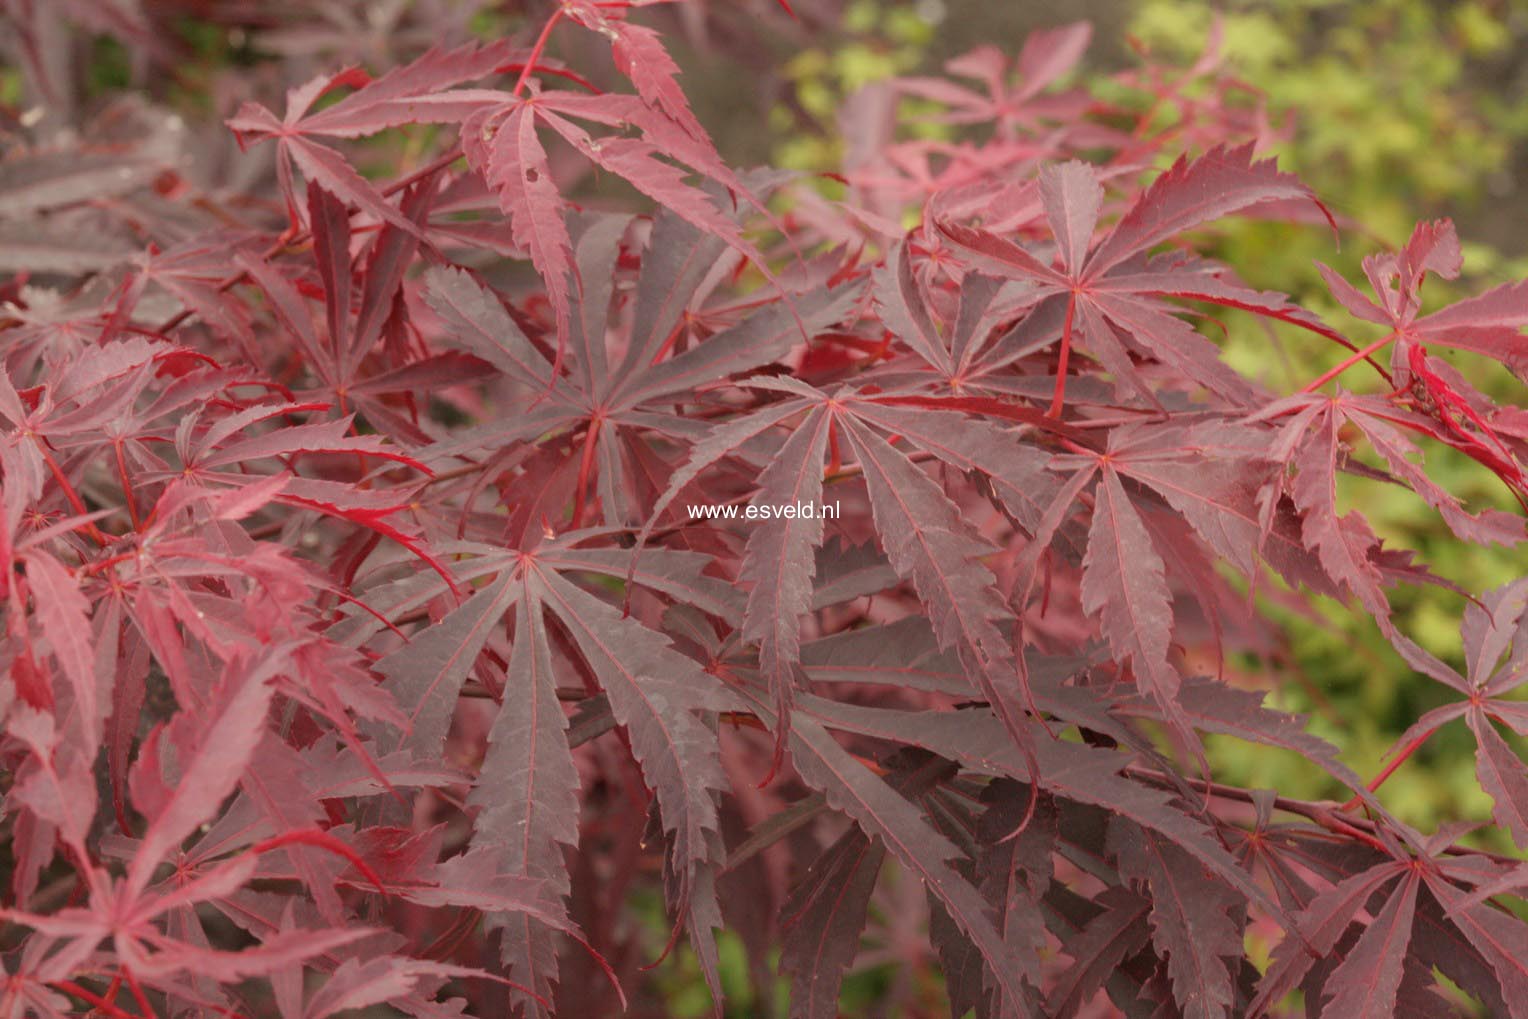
[
  {"x": 321, "y": 840},
  {"x": 585, "y": 469},
  {"x": 138, "y": 995},
  {"x": 434, "y": 166},
  {"x": 1348, "y": 362},
  {"x": 127, "y": 486},
  {"x": 115, "y": 986},
  {"x": 1319, "y": 813},
  {"x": 95, "y": 1001},
  {"x": 537, "y": 49},
  {"x": 453, "y": 936},
  {"x": 73, "y": 497},
  {"x": 1324, "y": 813},
  {"x": 1058, "y": 398},
  {"x": 1389, "y": 769},
  {"x": 454, "y": 474},
  {"x": 570, "y": 694}
]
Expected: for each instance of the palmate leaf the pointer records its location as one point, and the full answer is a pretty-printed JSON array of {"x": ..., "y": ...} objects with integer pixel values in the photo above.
[
  {"x": 502, "y": 144},
  {"x": 212, "y": 751},
  {"x": 527, "y": 787},
  {"x": 426, "y": 674},
  {"x": 921, "y": 530},
  {"x": 1308, "y": 440},
  {"x": 885, "y": 815},
  {"x": 1211, "y": 475},
  {"x": 1366, "y": 983},
  {"x": 1445, "y": 405},
  {"x": 971, "y": 355},
  {"x": 1192, "y": 919},
  {"x": 1488, "y": 323},
  {"x": 1403, "y": 931},
  {"x": 780, "y": 563},
  {"x": 213, "y": 764},
  {"x": 528, "y": 814},
  {"x": 421, "y": 92},
  {"x": 653, "y": 691},
  {"x": 209, "y": 455},
  {"x": 619, "y": 405},
  {"x": 1045, "y": 56},
  {"x": 1106, "y": 290},
  {"x": 1115, "y": 933},
  {"x": 1494, "y": 646},
  {"x": 925, "y": 542},
  {"x": 1016, "y": 867},
  {"x": 1068, "y": 771},
  {"x": 1123, "y": 579},
  {"x": 499, "y": 137},
  {"x": 350, "y": 339},
  {"x": 823, "y": 920}
]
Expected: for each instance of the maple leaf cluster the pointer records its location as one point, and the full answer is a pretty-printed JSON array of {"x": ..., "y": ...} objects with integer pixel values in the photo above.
[{"x": 361, "y": 648}]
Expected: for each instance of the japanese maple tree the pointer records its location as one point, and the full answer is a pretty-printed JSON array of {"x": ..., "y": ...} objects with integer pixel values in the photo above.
[{"x": 380, "y": 625}]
